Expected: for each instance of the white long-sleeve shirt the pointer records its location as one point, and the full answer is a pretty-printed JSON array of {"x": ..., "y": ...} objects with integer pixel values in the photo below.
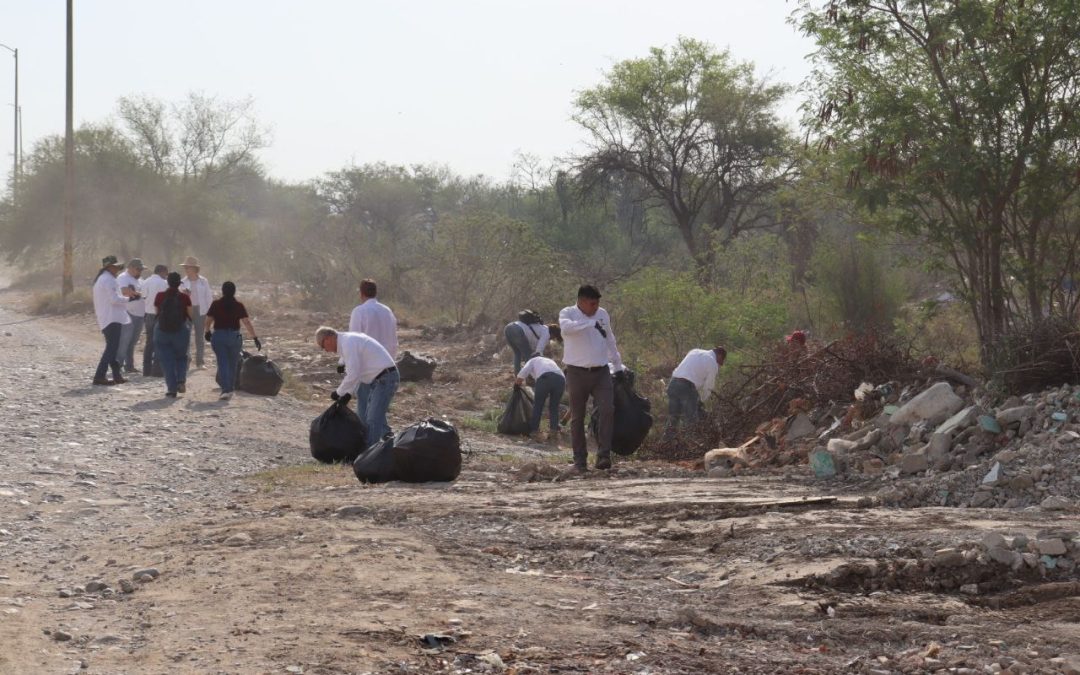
[
  {"x": 537, "y": 334},
  {"x": 364, "y": 358},
  {"x": 201, "y": 295},
  {"x": 150, "y": 288},
  {"x": 127, "y": 280},
  {"x": 373, "y": 318},
  {"x": 109, "y": 305},
  {"x": 583, "y": 345},
  {"x": 537, "y": 366},
  {"x": 699, "y": 366}
]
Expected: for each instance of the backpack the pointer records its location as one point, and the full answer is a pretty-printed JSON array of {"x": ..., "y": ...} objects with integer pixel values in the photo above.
[
  {"x": 171, "y": 313},
  {"x": 529, "y": 317}
]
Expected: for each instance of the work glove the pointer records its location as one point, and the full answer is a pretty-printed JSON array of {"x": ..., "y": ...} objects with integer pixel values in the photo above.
[
  {"x": 340, "y": 369},
  {"x": 258, "y": 345},
  {"x": 207, "y": 335},
  {"x": 601, "y": 329}
]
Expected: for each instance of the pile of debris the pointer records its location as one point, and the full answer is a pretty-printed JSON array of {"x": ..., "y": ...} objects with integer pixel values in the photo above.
[
  {"x": 939, "y": 446},
  {"x": 997, "y": 563}
]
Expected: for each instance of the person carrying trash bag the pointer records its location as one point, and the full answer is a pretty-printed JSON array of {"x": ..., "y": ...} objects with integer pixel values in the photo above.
[
  {"x": 366, "y": 362},
  {"x": 337, "y": 435},
  {"x": 550, "y": 383},
  {"x": 225, "y": 315},
  {"x": 527, "y": 336}
]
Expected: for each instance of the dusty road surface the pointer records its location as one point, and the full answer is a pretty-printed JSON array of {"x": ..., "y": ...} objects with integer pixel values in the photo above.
[{"x": 145, "y": 535}]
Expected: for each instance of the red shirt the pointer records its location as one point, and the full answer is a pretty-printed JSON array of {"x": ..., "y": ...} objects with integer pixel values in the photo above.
[
  {"x": 226, "y": 318},
  {"x": 185, "y": 300}
]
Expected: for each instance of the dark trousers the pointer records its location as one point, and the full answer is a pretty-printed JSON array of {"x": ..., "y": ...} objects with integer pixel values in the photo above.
[
  {"x": 109, "y": 356},
  {"x": 515, "y": 337},
  {"x": 582, "y": 383},
  {"x": 172, "y": 353},
  {"x": 148, "y": 346},
  {"x": 684, "y": 402}
]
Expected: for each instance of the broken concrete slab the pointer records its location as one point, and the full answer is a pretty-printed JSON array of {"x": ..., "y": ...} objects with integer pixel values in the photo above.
[
  {"x": 1051, "y": 547},
  {"x": 913, "y": 462},
  {"x": 961, "y": 420},
  {"x": 799, "y": 427},
  {"x": 936, "y": 402},
  {"x": 1014, "y": 415}
]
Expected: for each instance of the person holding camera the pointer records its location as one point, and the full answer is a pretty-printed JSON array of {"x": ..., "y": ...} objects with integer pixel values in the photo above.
[
  {"x": 588, "y": 347},
  {"x": 110, "y": 308}
]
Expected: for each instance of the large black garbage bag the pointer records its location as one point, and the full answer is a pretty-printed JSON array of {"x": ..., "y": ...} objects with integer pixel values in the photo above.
[
  {"x": 515, "y": 418},
  {"x": 427, "y": 451},
  {"x": 337, "y": 435},
  {"x": 239, "y": 367},
  {"x": 632, "y": 417},
  {"x": 259, "y": 375},
  {"x": 376, "y": 465},
  {"x": 412, "y": 368}
]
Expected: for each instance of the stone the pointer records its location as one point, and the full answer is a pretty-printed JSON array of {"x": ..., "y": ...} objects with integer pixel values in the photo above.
[
  {"x": 1014, "y": 415},
  {"x": 61, "y": 636},
  {"x": 873, "y": 467},
  {"x": 800, "y": 426},
  {"x": 1020, "y": 543},
  {"x": 939, "y": 401},
  {"x": 939, "y": 447},
  {"x": 988, "y": 424},
  {"x": 96, "y": 586},
  {"x": 841, "y": 446},
  {"x": 725, "y": 459},
  {"x": 822, "y": 463},
  {"x": 65, "y": 593},
  {"x": 126, "y": 586},
  {"x": 1055, "y": 503},
  {"x": 1004, "y": 556},
  {"x": 239, "y": 539},
  {"x": 144, "y": 578},
  {"x": 982, "y": 498},
  {"x": 1021, "y": 483},
  {"x": 1050, "y": 546},
  {"x": 993, "y": 540},
  {"x": 1030, "y": 559},
  {"x": 993, "y": 475},
  {"x": 947, "y": 557},
  {"x": 913, "y": 462},
  {"x": 358, "y": 510},
  {"x": 152, "y": 571},
  {"x": 961, "y": 420}
]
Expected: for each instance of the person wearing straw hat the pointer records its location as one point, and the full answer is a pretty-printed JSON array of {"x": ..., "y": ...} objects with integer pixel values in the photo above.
[
  {"x": 110, "y": 305},
  {"x": 136, "y": 309},
  {"x": 196, "y": 287}
]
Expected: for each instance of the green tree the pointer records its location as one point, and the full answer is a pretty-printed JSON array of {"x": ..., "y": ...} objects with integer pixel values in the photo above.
[
  {"x": 699, "y": 129},
  {"x": 957, "y": 120}
]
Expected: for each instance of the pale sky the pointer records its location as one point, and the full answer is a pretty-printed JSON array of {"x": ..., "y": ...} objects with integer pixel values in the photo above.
[{"x": 463, "y": 83}]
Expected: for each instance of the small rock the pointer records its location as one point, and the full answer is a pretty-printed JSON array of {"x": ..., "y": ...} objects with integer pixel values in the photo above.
[
  {"x": 152, "y": 571},
  {"x": 96, "y": 586},
  {"x": 126, "y": 586},
  {"x": 61, "y": 636},
  {"x": 1004, "y": 556},
  {"x": 799, "y": 427},
  {"x": 1014, "y": 415},
  {"x": 914, "y": 462},
  {"x": 937, "y": 402},
  {"x": 947, "y": 557},
  {"x": 65, "y": 593},
  {"x": 993, "y": 475},
  {"x": 239, "y": 539},
  {"x": 822, "y": 464},
  {"x": 352, "y": 511},
  {"x": 1055, "y": 504},
  {"x": 144, "y": 578},
  {"x": 992, "y": 540},
  {"x": 1050, "y": 546}
]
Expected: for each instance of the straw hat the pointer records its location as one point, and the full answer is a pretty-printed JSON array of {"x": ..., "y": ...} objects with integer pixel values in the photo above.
[{"x": 190, "y": 261}]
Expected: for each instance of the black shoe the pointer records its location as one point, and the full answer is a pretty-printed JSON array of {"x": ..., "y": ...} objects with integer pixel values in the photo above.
[
  {"x": 118, "y": 379},
  {"x": 103, "y": 382},
  {"x": 603, "y": 463},
  {"x": 171, "y": 394}
]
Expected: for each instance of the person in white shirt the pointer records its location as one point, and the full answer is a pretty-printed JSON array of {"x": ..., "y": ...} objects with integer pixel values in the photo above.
[
  {"x": 691, "y": 383},
  {"x": 136, "y": 309},
  {"x": 527, "y": 337},
  {"x": 588, "y": 347},
  {"x": 149, "y": 289},
  {"x": 110, "y": 308},
  {"x": 549, "y": 383},
  {"x": 367, "y": 362},
  {"x": 376, "y": 320},
  {"x": 198, "y": 289}
]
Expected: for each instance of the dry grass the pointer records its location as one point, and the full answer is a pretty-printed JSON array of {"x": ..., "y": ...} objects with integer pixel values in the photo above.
[
  {"x": 301, "y": 475},
  {"x": 78, "y": 301}
]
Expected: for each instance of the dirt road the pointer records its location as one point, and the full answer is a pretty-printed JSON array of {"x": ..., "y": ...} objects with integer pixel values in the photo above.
[{"x": 140, "y": 534}]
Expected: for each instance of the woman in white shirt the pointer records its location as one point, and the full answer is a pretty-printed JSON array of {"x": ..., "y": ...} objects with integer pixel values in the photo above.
[
  {"x": 549, "y": 386},
  {"x": 110, "y": 307}
]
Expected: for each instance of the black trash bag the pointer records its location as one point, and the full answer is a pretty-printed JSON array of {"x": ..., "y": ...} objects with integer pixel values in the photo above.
[
  {"x": 239, "y": 367},
  {"x": 376, "y": 465},
  {"x": 337, "y": 435},
  {"x": 259, "y": 375},
  {"x": 515, "y": 418},
  {"x": 412, "y": 368},
  {"x": 427, "y": 451},
  {"x": 633, "y": 419}
]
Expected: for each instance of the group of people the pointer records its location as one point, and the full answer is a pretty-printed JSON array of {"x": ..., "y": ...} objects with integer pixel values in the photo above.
[{"x": 171, "y": 311}]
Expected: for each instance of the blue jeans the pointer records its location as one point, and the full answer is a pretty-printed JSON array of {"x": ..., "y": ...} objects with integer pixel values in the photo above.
[
  {"x": 171, "y": 351},
  {"x": 549, "y": 387},
  {"x": 129, "y": 336},
  {"x": 380, "y": 393},
  {"x": 198, "y": 324},
  {"x": 108, "y": 357},
  {"x": 515, "y": 337},
  {"x": 226, "y": 344},
  {"x": 683, "y": 403},
  {"x": 363, "y": 392}
]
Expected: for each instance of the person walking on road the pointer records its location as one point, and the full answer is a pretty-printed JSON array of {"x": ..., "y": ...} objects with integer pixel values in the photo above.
[
  {"x": 527, "y": 337},
  {"x": 589, "y": 346},
  {"x": 548, "y": 387},
  {"x": 367, "y": 362},
  {"x": 691, "y": 383},
  {"x": 198, "y": 289},
  {"x": 131, "y": 279},
  {"x": 110, "y": 308},
  {"x": 376, "y": 320},
  {"x": 172, "y": 334},
  {"x": 150, "y": 288},
  {"x": 223, "y": 320}
]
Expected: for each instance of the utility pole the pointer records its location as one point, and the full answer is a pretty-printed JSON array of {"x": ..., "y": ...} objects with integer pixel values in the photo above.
[
  {"x": 15, "y": 164},
  {"x": 69, "y": 168}
]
